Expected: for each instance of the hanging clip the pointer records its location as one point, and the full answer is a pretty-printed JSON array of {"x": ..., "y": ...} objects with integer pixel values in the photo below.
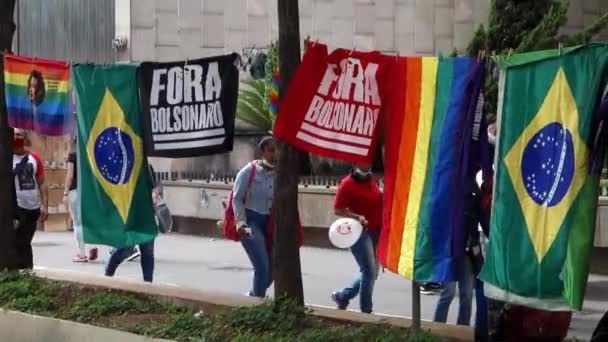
[
  {"x": 509, "y": 55},
  {"x": 352, "y": 51},
  {"x": 560, "y": 48}
]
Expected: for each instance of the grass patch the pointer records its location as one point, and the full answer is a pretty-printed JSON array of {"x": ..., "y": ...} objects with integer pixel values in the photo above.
[
  {"x": 279, "y": 321},
  {"x": 105, "y": 304}
]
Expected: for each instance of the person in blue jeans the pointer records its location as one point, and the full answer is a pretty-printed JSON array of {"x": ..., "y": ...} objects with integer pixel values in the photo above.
[
  {"x": 252, "y": 202},
  {"x": 121, "y": 254},
  {"x": 146, "y": 250},
  {"x": 471, "y": 261},
  {"x": 359, "y": 197}
]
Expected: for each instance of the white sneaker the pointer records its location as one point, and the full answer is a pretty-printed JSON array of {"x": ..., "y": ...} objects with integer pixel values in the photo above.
[{"x": 134, "y": 256}]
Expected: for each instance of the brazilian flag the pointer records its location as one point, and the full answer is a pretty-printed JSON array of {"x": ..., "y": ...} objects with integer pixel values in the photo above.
[
  {"x": 545, "y": 198},
  {"x": 114, "y": 182}
]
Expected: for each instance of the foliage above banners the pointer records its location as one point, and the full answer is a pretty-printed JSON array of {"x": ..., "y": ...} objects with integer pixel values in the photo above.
[
  {"x": 334, "y": 103},
  {"x": 189, "y": 107}
]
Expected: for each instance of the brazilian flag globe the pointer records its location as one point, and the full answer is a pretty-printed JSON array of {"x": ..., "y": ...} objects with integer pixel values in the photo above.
[
  {"x": 545, "y": 198},
  {"x": 114, "y": 184}
]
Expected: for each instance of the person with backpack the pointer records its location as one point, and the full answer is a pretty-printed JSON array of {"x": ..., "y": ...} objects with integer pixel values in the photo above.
[
  {"x": 71, "y": 198},
  {"x": 359, "y": 197},
  {"x": 145, "y": 250},
  {"x": 31, "y": 195},
  {"x": 252, "y": 199}
]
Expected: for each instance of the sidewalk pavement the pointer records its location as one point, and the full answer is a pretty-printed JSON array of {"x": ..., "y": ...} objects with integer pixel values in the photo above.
[{"x": 220, "y": 265}]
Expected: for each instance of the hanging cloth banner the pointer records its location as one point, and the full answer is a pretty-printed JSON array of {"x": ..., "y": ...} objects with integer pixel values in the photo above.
[
  {"x": 37, "y": 95},
  {"x": 116, "y": 204},
  {"x": 434, "y": 143},
  {"x": 545, "y": 198},
  {"x": 334, "y": 102},
  {"x": 189, "y": 107}
]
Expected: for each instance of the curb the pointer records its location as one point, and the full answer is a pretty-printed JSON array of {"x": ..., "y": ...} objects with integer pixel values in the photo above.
[
  {"x": 215, "y": 301},
  {"x": 18, "y": 326}
]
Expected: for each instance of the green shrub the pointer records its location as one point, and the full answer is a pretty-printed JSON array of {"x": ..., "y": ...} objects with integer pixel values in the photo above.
[
  {"x": 34, "y": 304},
  {"x": 280, "y": 317},
  {"x": 278, "y": 321},
  {"x": 183, "y": 327},
  {"x": 106, "y": 304}
]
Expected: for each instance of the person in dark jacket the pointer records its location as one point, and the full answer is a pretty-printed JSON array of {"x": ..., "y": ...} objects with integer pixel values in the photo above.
[{"x": 601, "y": 331}]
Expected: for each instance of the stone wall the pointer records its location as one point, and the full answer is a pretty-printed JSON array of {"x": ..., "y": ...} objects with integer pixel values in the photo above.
[
  {"x": 583, "y": 13},
  {"x": 202, "y": 202}
]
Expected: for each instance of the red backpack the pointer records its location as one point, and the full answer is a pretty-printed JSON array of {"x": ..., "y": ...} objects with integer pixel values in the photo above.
[{"x": 229, "y": 224}]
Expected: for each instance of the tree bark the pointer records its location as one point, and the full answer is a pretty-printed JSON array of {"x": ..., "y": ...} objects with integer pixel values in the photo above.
[
  {"x": 8, "y": 256},
  {"x": 286, "y": 261}
]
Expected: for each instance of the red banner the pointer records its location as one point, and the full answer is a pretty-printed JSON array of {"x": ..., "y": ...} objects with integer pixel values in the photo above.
[{"x": 334, "y": 103}]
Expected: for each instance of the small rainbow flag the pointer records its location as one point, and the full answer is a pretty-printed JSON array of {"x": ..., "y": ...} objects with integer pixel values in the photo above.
[
  {"x": 273, "y": 106},
  {"x": 428, "y": 139},
  {"x": 37, "y": 95}
]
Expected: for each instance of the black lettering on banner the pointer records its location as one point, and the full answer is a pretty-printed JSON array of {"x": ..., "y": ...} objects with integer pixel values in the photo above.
[{"x": 189, "y": 108}]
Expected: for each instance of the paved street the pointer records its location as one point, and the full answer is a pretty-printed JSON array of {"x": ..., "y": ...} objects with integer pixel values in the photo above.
[{"x": 222, "y": 265}]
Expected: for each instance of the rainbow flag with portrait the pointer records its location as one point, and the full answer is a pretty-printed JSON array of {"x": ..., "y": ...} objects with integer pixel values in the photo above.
[{"x": 37, "y": 95}]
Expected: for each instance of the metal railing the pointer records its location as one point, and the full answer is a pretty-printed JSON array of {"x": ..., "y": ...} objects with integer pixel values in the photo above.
[
  {"x": 228, "y": 178},
  {"x": 305, "y": 181}
]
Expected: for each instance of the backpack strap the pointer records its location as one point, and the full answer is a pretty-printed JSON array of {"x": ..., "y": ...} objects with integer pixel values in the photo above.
[{"x": 250, "y": 182}]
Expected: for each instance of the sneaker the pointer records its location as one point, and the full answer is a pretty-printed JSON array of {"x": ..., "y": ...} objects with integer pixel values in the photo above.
[
  {"x": 134, "y": 256},
  {"x": 80, "y": 258},
  {"x": 340, "y": 304},
  {"x": 429, "y": 288},
  {"x": 93, "y": 253}
]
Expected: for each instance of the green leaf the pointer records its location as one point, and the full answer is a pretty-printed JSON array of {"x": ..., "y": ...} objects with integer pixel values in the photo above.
[{"x": 252, "y": 107}]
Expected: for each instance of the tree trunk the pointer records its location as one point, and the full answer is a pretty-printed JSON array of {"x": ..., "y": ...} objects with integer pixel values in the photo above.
[
  {"x": 8, "y": 256},
  {"x": 286, "y": 261}
]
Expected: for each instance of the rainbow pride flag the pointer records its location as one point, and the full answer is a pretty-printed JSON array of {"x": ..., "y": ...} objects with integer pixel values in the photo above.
[
  {"x": 273, "y": 106},
  {"x": 430, "y": 132},
  {"x": 37, "y": 95}
]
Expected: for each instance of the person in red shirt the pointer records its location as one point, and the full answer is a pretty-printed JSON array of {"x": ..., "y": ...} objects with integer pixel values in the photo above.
[
  {"x": 32, "y": 197},
  {"x": 359, "y": 197}
]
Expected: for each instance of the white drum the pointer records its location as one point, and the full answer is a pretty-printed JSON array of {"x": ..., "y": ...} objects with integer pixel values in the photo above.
[{"x": 345, "y": 232}]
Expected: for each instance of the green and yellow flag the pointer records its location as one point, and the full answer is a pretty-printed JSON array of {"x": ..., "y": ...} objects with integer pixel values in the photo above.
[
  {"x": 114, "y": 183},
  {"x": 545, "y": 199}
]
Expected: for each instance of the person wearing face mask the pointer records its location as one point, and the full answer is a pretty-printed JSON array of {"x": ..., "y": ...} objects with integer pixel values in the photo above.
[
  {"x": 359, "y": 197},
  {"x": 252, "y": 200},
  {"x": 32, "y": 197}
]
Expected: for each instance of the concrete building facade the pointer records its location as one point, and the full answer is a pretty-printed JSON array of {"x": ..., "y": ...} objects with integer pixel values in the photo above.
[
  {"x": 170, "y": 30},
  {"x": 165, "y": 30}
]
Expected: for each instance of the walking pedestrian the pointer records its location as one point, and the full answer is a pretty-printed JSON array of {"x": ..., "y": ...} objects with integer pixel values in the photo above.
[
  {"x": 430, "y": 288},
  {"x": 71, "y": 196},
  {"x": 32, "y": 197},
  {"x": 359, "y": 197},
  {"x": 252, "y": 200},
  {"x": 471, "y": 262},
  {"x": 145, "y": 250}
]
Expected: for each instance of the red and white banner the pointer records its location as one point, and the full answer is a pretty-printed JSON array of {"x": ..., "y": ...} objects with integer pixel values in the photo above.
[{"x": 334, "y": 103}]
